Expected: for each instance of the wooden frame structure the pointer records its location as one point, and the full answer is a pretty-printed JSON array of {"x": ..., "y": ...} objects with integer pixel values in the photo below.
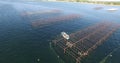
[{"x": 85, "y": 41}]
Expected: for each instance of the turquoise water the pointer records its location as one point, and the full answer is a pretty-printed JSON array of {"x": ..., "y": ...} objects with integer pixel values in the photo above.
[{"x": 22, "y": 43}]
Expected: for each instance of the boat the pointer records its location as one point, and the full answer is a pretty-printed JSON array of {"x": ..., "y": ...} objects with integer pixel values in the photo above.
[
  {"x": 65, "y": 35},
  {"x": 112, "y": 9}
]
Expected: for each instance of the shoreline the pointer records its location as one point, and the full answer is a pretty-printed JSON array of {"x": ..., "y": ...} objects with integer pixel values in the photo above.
[{"x": 88, "y": 2}]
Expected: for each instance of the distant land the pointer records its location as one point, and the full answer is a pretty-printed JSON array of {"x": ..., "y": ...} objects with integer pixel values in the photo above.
[{"x": 106, "y": 2}]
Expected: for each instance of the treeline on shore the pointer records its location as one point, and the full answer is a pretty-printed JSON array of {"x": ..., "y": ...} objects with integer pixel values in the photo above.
[
  {"x": 95, "y": 2},
  {"x": 103, "y": 2}
]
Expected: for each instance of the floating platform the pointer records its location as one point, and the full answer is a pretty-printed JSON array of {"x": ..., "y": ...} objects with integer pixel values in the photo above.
[
  {"x": 45, "y": 22},
  {"x": 83, "y": 42}
]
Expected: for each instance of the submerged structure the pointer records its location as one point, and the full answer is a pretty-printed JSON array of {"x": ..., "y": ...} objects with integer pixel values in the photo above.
[
  {"x": 83, "y": 42},
  {"x": 28, "y": 13},
  {"x": 45, "y": 22}
]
